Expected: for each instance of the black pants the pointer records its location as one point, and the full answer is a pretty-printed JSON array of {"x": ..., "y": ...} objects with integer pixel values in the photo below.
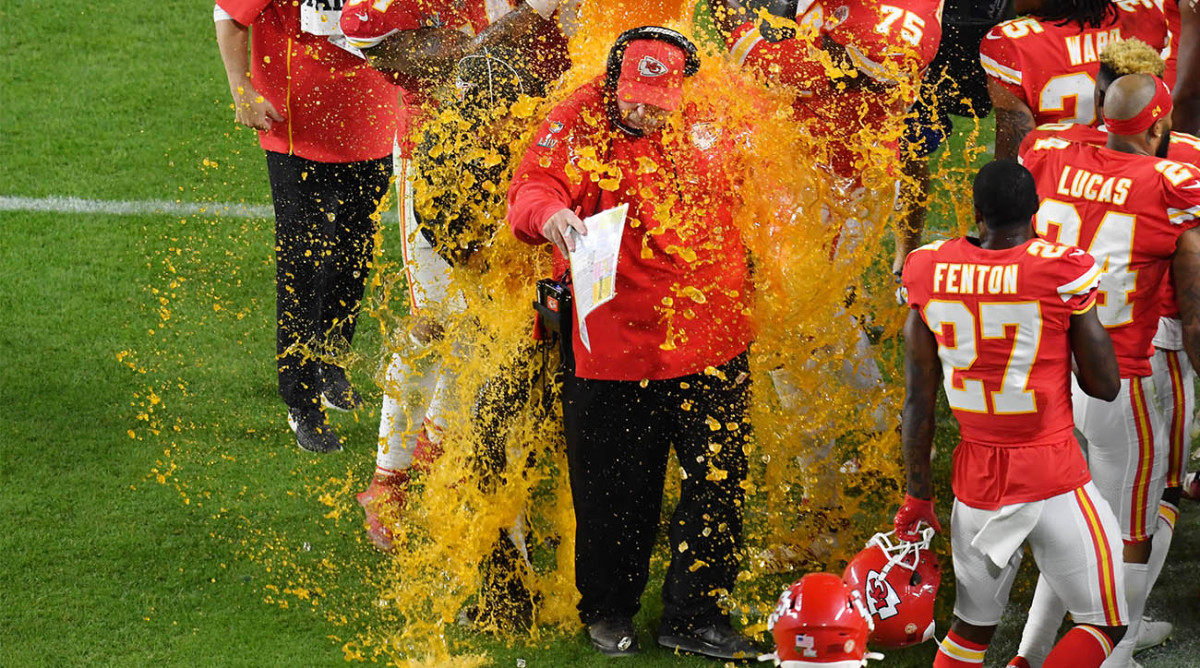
[
  {"x": 619, "y": 435},
  {"x": 324, "y": 239}
]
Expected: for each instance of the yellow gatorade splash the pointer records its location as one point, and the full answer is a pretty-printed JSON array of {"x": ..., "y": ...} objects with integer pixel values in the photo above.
[{"x": 825, "y": 457}]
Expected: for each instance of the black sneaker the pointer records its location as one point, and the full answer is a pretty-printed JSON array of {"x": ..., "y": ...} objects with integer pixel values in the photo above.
[
  {"x": 313, "y": 431},
  {"x": 614, "y": 637},
  {"x": 336, "y": 391},
  {"x": 717, "y": 640}
]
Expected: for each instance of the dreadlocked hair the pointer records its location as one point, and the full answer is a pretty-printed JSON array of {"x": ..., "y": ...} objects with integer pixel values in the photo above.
[
  {"x": 1086, "y": 13},
  {"x": 1131, "y": 56}
]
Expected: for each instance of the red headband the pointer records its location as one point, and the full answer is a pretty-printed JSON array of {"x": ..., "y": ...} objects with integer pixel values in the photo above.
[{"x": 1159, "y": 107}]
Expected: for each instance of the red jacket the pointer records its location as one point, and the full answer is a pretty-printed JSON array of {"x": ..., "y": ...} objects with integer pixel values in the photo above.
[
  {"x": 683, "y": 291},
  {"x": 336, "y": 107}
]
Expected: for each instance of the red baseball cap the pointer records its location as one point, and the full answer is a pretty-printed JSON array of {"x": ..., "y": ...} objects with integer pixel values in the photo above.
[{"x": 652, "y": 73}]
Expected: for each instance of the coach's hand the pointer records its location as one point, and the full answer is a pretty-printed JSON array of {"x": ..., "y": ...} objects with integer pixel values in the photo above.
[
  {"x": 253, "y": 110},
  {"x": 555, "y": 229},
  {"x": 911, "y": 514}
]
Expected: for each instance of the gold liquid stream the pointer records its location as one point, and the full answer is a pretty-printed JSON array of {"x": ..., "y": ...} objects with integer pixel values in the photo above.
[{"x": 798, "y": 504}]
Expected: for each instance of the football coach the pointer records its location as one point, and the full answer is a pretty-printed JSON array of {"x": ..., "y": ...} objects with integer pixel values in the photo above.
[{"x": 667, "y": 364}]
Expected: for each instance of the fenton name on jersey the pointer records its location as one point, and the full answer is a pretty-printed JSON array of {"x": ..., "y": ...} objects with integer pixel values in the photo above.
[{"x": 974, "y": 279}]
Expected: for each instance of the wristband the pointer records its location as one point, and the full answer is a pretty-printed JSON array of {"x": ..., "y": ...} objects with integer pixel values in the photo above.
[{"x": 917, "y": 502}]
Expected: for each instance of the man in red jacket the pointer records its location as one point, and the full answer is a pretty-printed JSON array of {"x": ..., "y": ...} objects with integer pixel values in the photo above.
[
  {"x": 667, "y": 362},
  {"x": 327, "y": 177}
]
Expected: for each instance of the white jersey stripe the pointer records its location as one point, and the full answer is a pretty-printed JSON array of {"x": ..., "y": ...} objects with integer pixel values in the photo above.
[
  {"x": 1080, "y": 285},
  {"x": 1006, "y": 74},
  {"x": 1180, "y": 216},
  {"x": 742, "y": 48},
  {"x": 869, "y": 67}
]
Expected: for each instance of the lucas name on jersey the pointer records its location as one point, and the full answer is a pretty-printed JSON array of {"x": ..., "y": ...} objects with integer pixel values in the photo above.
[
  {"x": 974, "y": 279},
  {"x": 1082, "y": 184}
]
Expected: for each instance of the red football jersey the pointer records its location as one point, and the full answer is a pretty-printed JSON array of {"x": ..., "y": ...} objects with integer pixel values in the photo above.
[
  {"x": 1001, "y": 319},
  {"x": 1184, "y": 148},
  {"x": 888, "y": 42},
  {"x": 1128, "y": 212},
  {"x": 1052, "y": 67}
]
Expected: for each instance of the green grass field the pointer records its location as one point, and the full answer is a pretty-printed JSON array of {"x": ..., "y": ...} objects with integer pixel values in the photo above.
[{"x": 106, "y": 381}]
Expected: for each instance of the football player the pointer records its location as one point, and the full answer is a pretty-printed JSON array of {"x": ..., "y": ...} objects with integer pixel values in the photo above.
[
  {"x": 420, "y": 44},
  {"x": 1174, "y": 378},
  {"x": 997, "y": 320},
  {"x": 1135, "y": 211},
  {"x": 1042, "y": 66},
  {"x": 954, "y": 84},
  {"x": 884, "y": 48}
]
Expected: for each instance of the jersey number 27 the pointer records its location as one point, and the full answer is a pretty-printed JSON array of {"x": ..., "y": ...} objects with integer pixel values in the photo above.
[{"x": 959, "y": 352}]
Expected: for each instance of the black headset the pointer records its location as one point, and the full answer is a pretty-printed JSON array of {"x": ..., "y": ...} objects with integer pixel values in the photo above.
[{"x": 617, "y": 54}]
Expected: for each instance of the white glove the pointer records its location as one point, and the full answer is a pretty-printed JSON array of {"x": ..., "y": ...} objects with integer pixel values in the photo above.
[{"x": 544, "y": 8}]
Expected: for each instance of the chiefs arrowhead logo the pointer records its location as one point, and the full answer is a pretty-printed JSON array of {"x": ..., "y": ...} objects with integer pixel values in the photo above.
[
  {"x": 651, "y": 67},
  {"x": 881, "y": 597}
]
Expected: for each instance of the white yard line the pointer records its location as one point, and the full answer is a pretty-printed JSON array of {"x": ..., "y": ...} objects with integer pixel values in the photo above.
[{"x": 138, "y": 207}]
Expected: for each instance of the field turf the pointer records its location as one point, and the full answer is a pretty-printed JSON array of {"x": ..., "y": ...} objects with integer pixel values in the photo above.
[{"x": 102, "y": 563}]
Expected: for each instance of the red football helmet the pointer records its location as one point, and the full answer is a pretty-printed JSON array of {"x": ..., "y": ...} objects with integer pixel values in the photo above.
[
  {"x": 820, "y": 622},
  {"x": 899, "y": 583}
]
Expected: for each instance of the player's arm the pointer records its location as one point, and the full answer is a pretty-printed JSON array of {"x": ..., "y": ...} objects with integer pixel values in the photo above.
[
  {"x": 430, "y": 54},
  {"x": 233, "y": 41},
  {"x": 922, "y": 373},
  {"x": 1014, "y": 120},
  {"x": 1186, "y": 268},
  {"x": 1095, "y": 361},
  {"x": 1187, "y": 83}
]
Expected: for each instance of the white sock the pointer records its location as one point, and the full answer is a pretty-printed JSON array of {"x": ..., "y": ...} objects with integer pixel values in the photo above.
[
  {"x": 787, "y": 388},
  {"x": 404, "y": 400},
  {"x": 435, "y": 412},
  {"x": 1161, "y": 543},
  {"x": 1046, "y": 614},
  {"x": 1137, "y": 588},
  {"x": 517, "y": 535}
]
